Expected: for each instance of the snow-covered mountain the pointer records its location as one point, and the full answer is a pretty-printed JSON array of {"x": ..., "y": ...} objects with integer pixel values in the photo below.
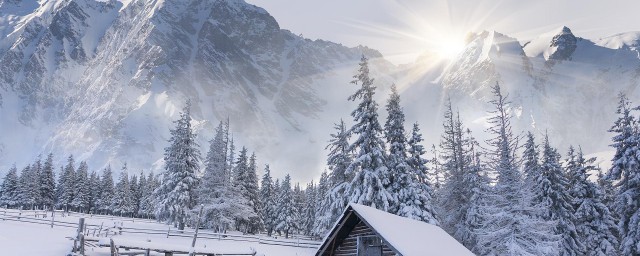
[
  {"x": 104, "y": 80},
  {"x": 558, "y": 82}
]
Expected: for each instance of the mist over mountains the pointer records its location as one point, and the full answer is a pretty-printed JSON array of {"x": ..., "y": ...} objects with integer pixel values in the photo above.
[{"x": 104, "y": 80}]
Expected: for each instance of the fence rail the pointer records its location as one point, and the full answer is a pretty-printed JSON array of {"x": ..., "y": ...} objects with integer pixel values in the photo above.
[{"x": 47, "y": 218}]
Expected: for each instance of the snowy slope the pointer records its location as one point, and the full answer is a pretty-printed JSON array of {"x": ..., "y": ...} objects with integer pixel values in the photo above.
[{"x": 104, "y": 80}]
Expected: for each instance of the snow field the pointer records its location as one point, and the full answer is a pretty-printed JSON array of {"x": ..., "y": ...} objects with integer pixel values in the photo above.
[{"x": 34, "y": 236}]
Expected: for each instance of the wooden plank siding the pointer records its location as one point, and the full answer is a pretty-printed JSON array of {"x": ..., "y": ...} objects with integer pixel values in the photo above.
[{"x": 348, "y": 246}]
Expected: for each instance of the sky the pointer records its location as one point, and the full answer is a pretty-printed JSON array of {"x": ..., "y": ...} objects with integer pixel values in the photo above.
[{"x": 404, "y": 29}]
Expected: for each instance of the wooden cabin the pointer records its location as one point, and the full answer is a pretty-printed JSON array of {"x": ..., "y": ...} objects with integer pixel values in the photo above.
[{"x": 366, "y": 231}]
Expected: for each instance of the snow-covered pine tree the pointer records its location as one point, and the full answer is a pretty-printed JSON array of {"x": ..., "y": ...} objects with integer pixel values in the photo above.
[
  {"x": 223, "y": 204},
  {"x": 122, "y": 203},
  {"x": 10, "y": 189},
  {"x": 473, "y": 213},
  {"x": 177, "y": 193},
  {"x": 268, "y": 199},
  {"x": 594, "y": 223},
  {"x": 66, "y": 184},
  {"x": 103, "y": 202},
  {"x": 135, "y": 194},
  {"x": 287, "y": 212},
  {"x": 82, "y": 194},
  {"x": 368, "y": 186},
  {"x": 625, "y": 174},
  {"x": 309, "y": 209},
  {"x": 299, "y": 202},
  {"x": 28, "y": 192},
  {"x": 47, "y": 184},
  {"x": 34, "y": 190},
  {"x": 255, "y": 223},
  {"x": 414, "y": 193},
  {"x": 552, "y": 191},
  {"x": 453, "y": 193},
  {"x": 395, "y": 179},
  {"x": 435, "y": 176},
  {"x": 507, "y": 227},
  {"x": 147, "y": 200},
  {"x": 530, "y": 160},
  {"x": 96, "y": 190},
  {"x": 322, "y": 221},
  {"x": 332, "y": 200}
]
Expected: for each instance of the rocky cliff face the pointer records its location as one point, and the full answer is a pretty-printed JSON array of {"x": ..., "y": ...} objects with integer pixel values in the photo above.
[{"x": 104, "y": 80}]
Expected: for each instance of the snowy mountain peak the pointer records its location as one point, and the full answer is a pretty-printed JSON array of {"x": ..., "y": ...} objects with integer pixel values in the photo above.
[{"x": 556, "y": 45}]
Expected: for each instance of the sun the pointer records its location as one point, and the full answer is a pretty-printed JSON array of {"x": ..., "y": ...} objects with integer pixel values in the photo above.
[{"x": 448, "y": 47}]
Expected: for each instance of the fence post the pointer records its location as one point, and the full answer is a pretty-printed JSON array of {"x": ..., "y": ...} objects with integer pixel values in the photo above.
[
  {"x": 113, "y": 247},
  {"x": 195, "y": 235},
  {"x": 79, "y": 232},
  {"x": 168, "y": 230},
  {"x": 53, "y": 216}
]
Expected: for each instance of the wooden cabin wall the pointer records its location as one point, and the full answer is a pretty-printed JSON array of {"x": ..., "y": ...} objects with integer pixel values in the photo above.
[{"x": 348, "y": 247}]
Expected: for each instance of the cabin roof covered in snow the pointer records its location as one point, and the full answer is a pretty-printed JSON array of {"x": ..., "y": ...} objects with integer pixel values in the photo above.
[{"x": 405, "y": 236}]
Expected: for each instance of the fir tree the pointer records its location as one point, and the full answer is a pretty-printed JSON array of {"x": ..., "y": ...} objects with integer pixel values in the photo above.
[
  {"x": 47, "y": 184},
  {"x": 268, "y": 199},
  {"x": 27, "y": 187},
  {"x": 122, "y": 203},
  {"x": 531, "y": 163},
  {"x": 552, "y": 192},
  {"x": 396, "y": 161},
  {"x": 507, "y": 227},
  {"x": 10, "y": 195},
  {"x": 287, "y": 212},
  {"x": 103, "y": 203},
  {"x": 251, "y": 185},
  {"x": 594, "y": 223},
  {"x": 177, "y": 193},
  {"x": 625, "y": 171},
  {"x": 332, "y": 198},
  {"x": 66, "y": 184},
  {"x": 82, "y": 194},
  {"x": 368, "y": 187},
  {"x": 96, "y": 191},
  {"x": 415, "y": 196},
  {"x": 309, "y": 209}
]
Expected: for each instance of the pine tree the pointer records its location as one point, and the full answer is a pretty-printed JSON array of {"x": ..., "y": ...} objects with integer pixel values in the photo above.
[
  {"x": 251, "y": 185},
  {"x": 531, "y": 163},
  {"x": 268, "y": 199},
  {"x": 34, "y": 183},
  {"x": 107, "y": 191},
  {"x": 368, "y": 187},
  {"x": 453, "y": 192},
  {"x": 333, "y": 199},
  {"x": 122, "y": 203},
  {"x": 147, "y": 200},
  {"x": 507, "y": 227},
  {"x": 177, "y": 193},
  {"x": 299, "y": 202},
  {"x": 224, "y": 204},
  {"x": 27, "y": 181},
  {"x": 96, "y": 191},
  {"x": 66, "y": 184},
  {"x": 82, "y": 194},
  {"x": 625, "y": 172},
  {"x": 287, "y": 212},
  {"x": 412, "y": 186},
  {"x": 47, "y": 184},
  {"x": 309, "y": 209},
  {"x": 552, "y": 192},
  {"x": 10, "y": 196},
  {"x": 396, "y": 161},
  {"x": 595, "y": 225}
]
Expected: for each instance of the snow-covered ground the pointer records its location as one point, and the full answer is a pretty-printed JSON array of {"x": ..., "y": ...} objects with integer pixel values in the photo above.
[{"x": 32, "y": 237}]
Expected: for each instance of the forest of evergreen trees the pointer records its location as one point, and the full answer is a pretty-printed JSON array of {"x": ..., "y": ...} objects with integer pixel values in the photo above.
[{"x": 514, "y": 194}]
